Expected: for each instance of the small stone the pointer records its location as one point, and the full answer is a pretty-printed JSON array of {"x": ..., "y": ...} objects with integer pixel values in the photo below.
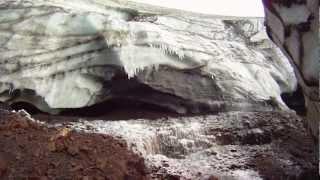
[
  {"x": 24, "y": 113},
  {"x": 257, "y": 131},
  {"x": 77, "y": 167},
  {"x": 165, "y": 165},
  {"x": 84, "y": 148},
  {"x": 37, "y": 153},
  {"x": 210, "y": 152},
  {"x": 73, "y": 150},
  {"x": 54, "y": 164},
  {"x": 213, "y": 178},
  {"x": 101, "y": 163},
  {"x": 44, "y": 178},
  {"x": 52, "y": 146},
  {"x": 7, "y": 134},
  {"x": 233, "y": 150},
  {"x": 21, "y": 124},
  {"x": 30, "y": 137},
  {"x": 85, "y": 178},
  {"x": 64, "y": 132},
  {"x": 18, "y": 155},
  {"x": 21, "y": 146},
  {"x": 3, "y": 166}
]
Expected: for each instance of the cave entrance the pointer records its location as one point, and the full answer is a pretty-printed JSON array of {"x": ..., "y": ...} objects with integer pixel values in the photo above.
[
  {"x": 31, "y": 109},
  {"x": 115, "y": 109},
  {"x": 295, "y": 101},
  {"x": 120, "y": 109},
  {"x": 123, "y": 108}
]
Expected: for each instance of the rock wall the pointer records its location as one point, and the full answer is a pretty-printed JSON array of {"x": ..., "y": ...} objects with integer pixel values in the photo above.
[
  {"x": 294, "y": 27},
  {"x": 58, "y": 55}
]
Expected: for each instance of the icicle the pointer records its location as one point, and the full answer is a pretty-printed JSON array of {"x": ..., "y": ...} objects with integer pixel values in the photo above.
[{"x": 11, "y": 89}]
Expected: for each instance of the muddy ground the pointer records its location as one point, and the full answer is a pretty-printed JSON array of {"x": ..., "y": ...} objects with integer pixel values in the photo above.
[
  {"x": 255, "y": 145},
  {"x": 30, "y": 150}
]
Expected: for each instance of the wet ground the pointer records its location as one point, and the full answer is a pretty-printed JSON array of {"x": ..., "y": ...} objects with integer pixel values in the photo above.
[{"x": 234, "y": 145}]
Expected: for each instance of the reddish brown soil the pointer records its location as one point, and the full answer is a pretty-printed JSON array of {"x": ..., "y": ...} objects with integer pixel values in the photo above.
[{"x": 29, "y": 150}]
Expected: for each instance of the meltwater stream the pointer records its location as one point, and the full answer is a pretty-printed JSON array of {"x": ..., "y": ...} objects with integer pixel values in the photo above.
[{"x": 173, "y": 138}]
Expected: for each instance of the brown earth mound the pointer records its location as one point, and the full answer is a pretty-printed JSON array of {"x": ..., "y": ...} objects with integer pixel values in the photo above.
[{"x": 29, "y": 150}]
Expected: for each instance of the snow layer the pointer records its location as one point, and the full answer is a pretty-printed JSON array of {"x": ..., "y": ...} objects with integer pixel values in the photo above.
[{"x": 65, "y": 51}]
